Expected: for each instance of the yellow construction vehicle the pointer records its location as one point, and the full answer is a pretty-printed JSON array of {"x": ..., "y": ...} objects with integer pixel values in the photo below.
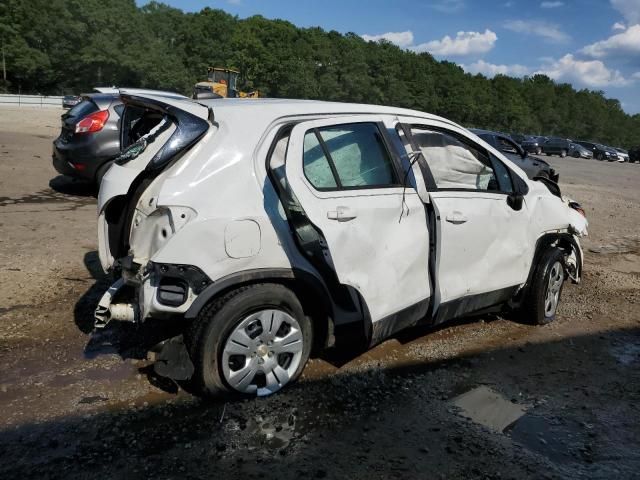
[{"x": 221, "y": 83}]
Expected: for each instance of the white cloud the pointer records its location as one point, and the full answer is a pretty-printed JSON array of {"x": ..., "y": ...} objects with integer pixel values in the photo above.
[
  {"x": 448, "y": 6},
  {"x": 491, "y": 70},
  {"x": 548, "y": 31},
  {"x": 590, "y": 73},
  {"x": 618, "y": 26},
  {"x": 402, "y": 39},
  {"x": 464, "y": 43},
  {"x": 626, "y": 43},
  {"x": 630, "y": 9},
  {"x": 636, "y": 76},
  {"x": 551, "y": 4},
  {"x": 507, "y": 4}
]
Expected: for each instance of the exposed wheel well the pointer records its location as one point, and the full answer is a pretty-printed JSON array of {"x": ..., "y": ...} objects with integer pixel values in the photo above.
[
  {"x": 313, "y": 297},
  {"x": 563, "y": 241}
]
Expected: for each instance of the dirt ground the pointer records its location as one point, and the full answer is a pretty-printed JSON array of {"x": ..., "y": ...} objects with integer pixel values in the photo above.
[{"x": 79, "y": 405}]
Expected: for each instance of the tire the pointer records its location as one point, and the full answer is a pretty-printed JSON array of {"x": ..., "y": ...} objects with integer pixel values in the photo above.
[
  {"x": 231, "y": 340},
  {"x": 576, "y": 155},
  {"x": 599, "y": 157},
  {"x": 538, "y": 151},
  {"x": 544, "y": 294},
  {"x": 563, "y": 153}
]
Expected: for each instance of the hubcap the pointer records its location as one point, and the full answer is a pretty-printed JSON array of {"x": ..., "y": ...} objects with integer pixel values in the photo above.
[
  {"x": 556, "y": 277},
  {"x": 262, "y": 352}
]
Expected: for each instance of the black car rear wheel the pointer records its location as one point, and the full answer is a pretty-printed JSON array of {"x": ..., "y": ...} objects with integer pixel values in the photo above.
[{"x": 101, "y": 172}]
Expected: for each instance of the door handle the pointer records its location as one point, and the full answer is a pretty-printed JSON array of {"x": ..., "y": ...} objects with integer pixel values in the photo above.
[
  {"x": 456, "y": 218},
  {"x": 342, "y": 214}
]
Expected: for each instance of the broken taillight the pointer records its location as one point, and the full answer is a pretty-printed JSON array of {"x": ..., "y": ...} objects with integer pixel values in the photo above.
[
  {"x": 578, "y": 208},
  {"x": 93, "y": 122}
]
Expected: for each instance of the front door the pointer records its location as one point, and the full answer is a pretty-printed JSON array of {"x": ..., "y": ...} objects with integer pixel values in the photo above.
[
  {"x": 483, "y": 247},
  {"x": 349, "y": 184}
]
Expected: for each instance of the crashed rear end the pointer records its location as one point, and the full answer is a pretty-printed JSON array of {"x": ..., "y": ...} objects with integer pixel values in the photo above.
[{"x": 133, "y": 224}]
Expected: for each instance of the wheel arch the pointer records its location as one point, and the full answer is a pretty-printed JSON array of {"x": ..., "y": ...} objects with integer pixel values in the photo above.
[
  {"x": 310, "y": 290},
  {"x": 564, "y": 241}
]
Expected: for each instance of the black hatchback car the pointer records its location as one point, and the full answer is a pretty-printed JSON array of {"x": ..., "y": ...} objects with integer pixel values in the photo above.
[
  {"x": 532, "y": 166},
  {"x": 90, "y": 137},
  {"x": 600, "y": 152}
]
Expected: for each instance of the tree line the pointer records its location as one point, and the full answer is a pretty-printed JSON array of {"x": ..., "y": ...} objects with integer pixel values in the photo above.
[{"x": 70, "y": 46}]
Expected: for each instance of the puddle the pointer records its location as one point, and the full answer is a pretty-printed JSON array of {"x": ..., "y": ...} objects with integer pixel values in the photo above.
[
  {"x": 626, "y": 353},
  {"x": 488, "y": 408},
  {"x": 48, "y": 196},
  {"x": 557, "y": 440}
]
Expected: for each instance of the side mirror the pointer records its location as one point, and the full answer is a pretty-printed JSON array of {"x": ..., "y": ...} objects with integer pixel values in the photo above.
[{"x": 515, "y": 200}]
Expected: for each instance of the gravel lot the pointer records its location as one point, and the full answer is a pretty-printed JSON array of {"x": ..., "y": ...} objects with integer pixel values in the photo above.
[{"x": 77, "y": 405}]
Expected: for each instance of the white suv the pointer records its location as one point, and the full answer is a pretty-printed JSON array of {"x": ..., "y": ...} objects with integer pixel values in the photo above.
[{"x": 269, "y": 228}]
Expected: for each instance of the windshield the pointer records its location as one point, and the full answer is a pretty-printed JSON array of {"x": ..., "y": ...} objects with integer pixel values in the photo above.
[{"x": 83, "y": 109}]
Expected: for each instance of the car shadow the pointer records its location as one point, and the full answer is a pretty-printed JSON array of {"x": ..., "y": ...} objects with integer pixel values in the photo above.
[{"x": 73, "y": 186}]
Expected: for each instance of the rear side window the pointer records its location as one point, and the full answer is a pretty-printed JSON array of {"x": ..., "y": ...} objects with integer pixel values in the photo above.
[
  {"x": 84, "y": 108},
  {"x": 347, "y": 156}
]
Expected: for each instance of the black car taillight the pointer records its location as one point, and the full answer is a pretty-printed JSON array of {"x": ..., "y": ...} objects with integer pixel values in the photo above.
[{"x": 93, "y": 122}]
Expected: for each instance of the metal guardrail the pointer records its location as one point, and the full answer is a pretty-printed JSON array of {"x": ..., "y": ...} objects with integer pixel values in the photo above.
[{"x": 30, "y": 100}]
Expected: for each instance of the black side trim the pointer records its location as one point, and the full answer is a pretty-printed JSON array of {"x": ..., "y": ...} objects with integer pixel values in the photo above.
[
  {"x": 473, "y": 303},
  {"x": 302, "y": 278},
  {"x": 405, "y": 318}
]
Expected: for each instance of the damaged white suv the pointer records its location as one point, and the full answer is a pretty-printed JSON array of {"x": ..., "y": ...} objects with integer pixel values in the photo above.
[{"x": 270, "y": 228}]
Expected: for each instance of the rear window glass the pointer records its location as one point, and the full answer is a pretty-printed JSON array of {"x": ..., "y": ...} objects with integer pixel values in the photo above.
[
  {"x": 83, "y": 109},
  {"x": 359, "y": 155}
]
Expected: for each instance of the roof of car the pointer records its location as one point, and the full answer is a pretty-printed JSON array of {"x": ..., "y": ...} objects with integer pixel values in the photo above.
[{"x": 279, "y": 107}]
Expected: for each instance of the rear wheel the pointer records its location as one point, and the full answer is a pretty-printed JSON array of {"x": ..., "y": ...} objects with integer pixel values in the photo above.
[
  {"x": 253, "y": 341},
  {"x": 538, "y": 151},
  {"x": 563, "y": 153},
  {"x": 545, "y": 291}
]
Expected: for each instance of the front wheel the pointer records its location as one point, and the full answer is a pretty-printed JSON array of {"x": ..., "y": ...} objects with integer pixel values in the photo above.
[
  {"x": 253, "y": 341},
  {"x": 563, "y": 153},
  {"x": 545, "y": 291},
  {"x": 538, "y": 151},
  {"x": 576, "y": 155}
]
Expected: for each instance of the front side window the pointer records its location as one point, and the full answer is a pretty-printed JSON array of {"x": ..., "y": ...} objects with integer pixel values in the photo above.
[
  {"x": 347, "y": 156},
  {"x": 455, "y": 164}
]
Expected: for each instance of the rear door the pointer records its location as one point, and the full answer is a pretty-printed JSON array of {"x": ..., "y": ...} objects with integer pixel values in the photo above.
[{"x": 348, "y": 180}]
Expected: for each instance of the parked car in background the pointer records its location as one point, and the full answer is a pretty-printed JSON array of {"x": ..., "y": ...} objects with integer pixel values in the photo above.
[
  {"x": 90, "y": 136},
  {"x": 518, "y": 138},
  {"x": 250, "y": 222},
  {"x": 532, "y": 166},
  {"x": 600, "y": 152},
  {"x": 70, "y": 101},
  {"x": 634, "y": 154},
  {"x": 533, "y": 144},
  {"x": 557, "y": 146},
  {"x": 622, "y": 154},
  {"x": 578, "y": 151}
]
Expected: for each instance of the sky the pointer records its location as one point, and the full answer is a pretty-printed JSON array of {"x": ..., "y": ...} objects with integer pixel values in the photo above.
[{"x": 591, "y": 44}]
